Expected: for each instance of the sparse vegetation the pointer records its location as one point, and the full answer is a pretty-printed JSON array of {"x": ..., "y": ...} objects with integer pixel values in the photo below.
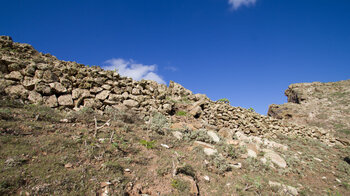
[
  {"x": 158, "y": 123},
  {"x": 181, "y": 113},
  {"x": 224, "y": 100},
  {"x": 180, "y": 185},
  {"x": 147, "y": 144}
]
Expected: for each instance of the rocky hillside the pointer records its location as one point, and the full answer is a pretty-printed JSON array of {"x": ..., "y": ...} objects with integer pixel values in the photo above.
[
  {"x": 325, "y": 105},
  {"x": 67, "y": 128}
]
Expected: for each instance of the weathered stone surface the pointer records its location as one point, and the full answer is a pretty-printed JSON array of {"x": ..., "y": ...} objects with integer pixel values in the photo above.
[
  {"x": 17, "y": 91},
  {"x": 35, "y": 97},
  {"x": 103, "y": 95},
  {"x": 92, "y": 103},
  {"x": 96, "y": 90},
  {"x": 288, "y": 190},
  {"x": 15, "y": 75},
  {"x": 65, "y": 100},
  {"x": 213, "y": 136},
  {"x": 43, "y": 88},
  {"x": 81, "y": 93},
  {"x": 177, "y": 134},
  {"x": 58, "y": 88},
  {"x": 29, "y": 83},
  {"x": 275, "y": 158},
  {"x": 130, "y": 103},
  {"x": 51, "y": 101},
  {"x": 210, "y": 151}
]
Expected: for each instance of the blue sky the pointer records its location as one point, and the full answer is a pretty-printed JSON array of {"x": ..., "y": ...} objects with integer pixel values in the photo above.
[{"x": 248, "y": 51}]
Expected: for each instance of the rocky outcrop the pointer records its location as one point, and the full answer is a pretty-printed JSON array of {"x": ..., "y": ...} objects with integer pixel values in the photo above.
[
  {"x": 324, "y": 105},
  {"x": 38, "y": 78}
]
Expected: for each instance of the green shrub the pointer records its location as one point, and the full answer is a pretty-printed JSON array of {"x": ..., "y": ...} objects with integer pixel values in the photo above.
[
  {"x": 251, "y": 109},
  {"x": 147, "y": 144},
  {"x": 223, "y": 100},
  {"x": 180, "y": 185},
  {"x": 158, "y": 123},
  {"x": 181, "y": 113}
]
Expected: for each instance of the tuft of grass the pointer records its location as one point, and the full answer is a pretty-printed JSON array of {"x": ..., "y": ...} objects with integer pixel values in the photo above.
[
  {"x": 147, "y": 144},
  {"x": 180, "y": 185},
  {"x": 181, "y": 113}
]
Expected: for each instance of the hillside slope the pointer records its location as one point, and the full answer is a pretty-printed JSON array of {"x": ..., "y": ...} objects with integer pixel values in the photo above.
[
  {"x": 71, "y": 129},
  {"x": 325, "y": 105}
]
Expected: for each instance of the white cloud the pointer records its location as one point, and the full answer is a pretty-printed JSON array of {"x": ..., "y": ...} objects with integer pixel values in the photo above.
[
  {"x": 238, "y": 3},
  {"x": 171, "y": 68},
  {"x": 134, "y": 70}
]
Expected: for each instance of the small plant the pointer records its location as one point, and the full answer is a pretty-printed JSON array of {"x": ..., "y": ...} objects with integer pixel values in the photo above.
[
  {"x": 223, "y": 100},
  {"x": 251, "y": 109},
  {"x": 147, "y": 144},
  {"x": 181, "y": 113},
  {"x": 180, "y": 185},
  {"x": 158, "y": 123}
]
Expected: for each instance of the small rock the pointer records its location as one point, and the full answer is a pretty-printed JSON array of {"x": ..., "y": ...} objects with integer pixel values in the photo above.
[
  {"x": 324, "y": 178},
  {"x": 177, "y": 135},
  {"x": 68, "y": 165},
  {"x": 339, "y": 181},
  {"x": 206, "y": 178},
  {"x": 237, "y": 165},
  {"x": 104, "y": 184},
  {"x": 286, "y": 189},
  {"x": 213, "y": 136},
  {"x": 275, "y": 158},
  {"x": 127, "y": 170},
  {"x": 165, "y": 146},
  {"x": 210, "y": 151}
]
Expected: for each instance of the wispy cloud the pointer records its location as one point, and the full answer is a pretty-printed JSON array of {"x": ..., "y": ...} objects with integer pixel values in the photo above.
[
  {"x": 134, "y": 70},
  {"x": 238, "y": 3},
  {"x": 170, "y": 68}
]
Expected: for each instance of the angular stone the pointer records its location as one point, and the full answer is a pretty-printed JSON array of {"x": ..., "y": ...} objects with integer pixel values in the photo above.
[
  {"x": 103, "y": 95},
  {"x": 43, "y": 88},
  {"x": 196, "y": 111},
  {"x": 209, "y": 151},
  {"x": 65, "y": 100},
  {"x": 106, "y": 87},
  {"x": 29, "y": 83},
  {"x": 51, "y": 101},
  {"x": 96, "y": 90},
  {"x": 177, "y": 135},
  {"x": 35, "y": 97},
  {"x": 15, "y": 75},
  {"x": 81, "y": 93},
  {"x": 58, "y": 88},
  {"x": 17, "y": 91},
  {"x": 130, "y": 103},
  {"x": 136, "y": 91},
  {"x": 288, "y": 190},
  {"x": 213, "y": 136},
  {"x": 92, "y": 103},
  {"x": 275, "y": 158},
  {"x": 49, "y": 76}
]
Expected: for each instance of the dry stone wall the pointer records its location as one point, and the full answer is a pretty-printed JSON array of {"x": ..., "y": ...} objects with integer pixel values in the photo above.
[{"x": 38, "y": 78}]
